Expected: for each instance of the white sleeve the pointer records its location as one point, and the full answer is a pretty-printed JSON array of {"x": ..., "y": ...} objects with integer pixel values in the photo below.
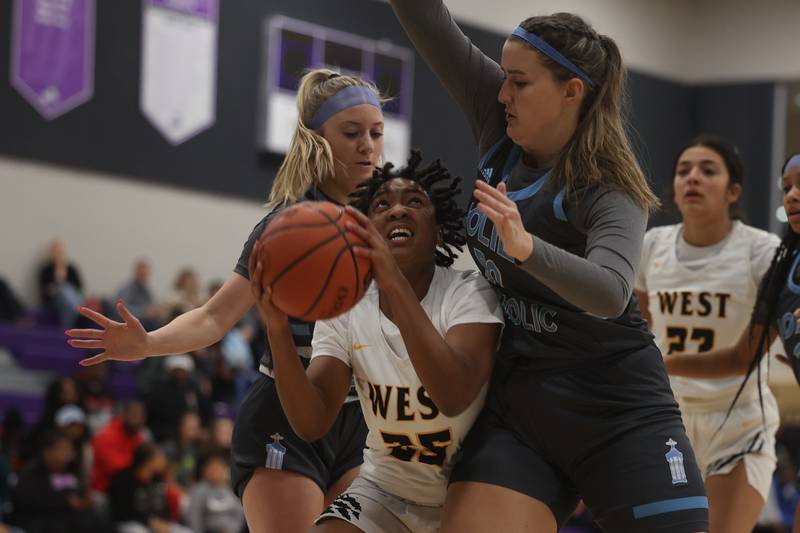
[
  {"x": 471, "y": 300},
  {"x": 762, "y": 250},
  {"x": 647, "y": 249},
  {"x": 331, "y": 338}
]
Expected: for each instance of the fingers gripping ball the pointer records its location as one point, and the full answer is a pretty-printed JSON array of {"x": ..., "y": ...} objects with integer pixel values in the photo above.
[{"x": 308, "y": 260}]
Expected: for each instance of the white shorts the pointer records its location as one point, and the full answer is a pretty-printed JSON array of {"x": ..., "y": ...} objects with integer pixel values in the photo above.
[
  {"x": 373, "y": 510},
  {"x": 744, "y": 437}
]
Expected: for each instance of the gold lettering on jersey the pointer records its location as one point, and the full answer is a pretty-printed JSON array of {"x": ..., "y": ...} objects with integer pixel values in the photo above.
[
  {"x": 688, "y": 303},
  {"x": 380, "y": 396}
]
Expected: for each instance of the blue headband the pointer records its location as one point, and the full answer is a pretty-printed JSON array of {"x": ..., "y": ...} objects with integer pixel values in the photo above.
[
  {"x": 344, "y": 99},
  {"x": 540, "y": 44},
  {"x": 793, "y": 162}
]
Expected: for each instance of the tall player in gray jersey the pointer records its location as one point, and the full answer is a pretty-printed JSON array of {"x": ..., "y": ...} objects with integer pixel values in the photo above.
[
  {"x": 580, "y": 404},
  {"x": 700, "y": 279},
  {"x": 776, "y": 313},
  {"x": 284, "y": 482}
]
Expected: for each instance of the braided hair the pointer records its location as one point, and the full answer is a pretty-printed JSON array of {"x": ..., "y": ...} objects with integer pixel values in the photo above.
[
  {"x": 449, "y": 216},
  {"x": 766, "y": 308}
]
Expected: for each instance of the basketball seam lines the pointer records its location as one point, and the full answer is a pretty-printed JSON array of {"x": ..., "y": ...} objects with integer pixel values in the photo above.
[{"x": 327, "y": 279}]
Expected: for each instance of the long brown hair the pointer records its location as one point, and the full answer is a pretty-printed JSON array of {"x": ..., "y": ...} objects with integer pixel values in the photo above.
[{"x": 599, "y": 151}]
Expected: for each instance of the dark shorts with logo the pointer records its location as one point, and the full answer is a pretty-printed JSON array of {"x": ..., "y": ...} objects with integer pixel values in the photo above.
[
  {"x": 610, "y": 433},
  {"x": 261, "y": 417}
]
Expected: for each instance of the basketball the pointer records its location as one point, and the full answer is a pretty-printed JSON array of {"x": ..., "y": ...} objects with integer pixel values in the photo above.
[{"x": 307, "y": 259}]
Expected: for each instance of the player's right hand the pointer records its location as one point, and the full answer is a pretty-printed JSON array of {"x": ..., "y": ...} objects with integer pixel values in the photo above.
[
  {"x": 120, "y": 341},
  {"x": 271, "y": 315}
]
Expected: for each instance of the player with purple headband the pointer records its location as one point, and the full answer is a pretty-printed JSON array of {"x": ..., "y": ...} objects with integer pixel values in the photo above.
[
  {"x": 580, "y": 404},
  {"x": 284, "y": 482}
]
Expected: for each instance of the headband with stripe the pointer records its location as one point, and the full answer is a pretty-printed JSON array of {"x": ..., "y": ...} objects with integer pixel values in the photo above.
[
  {"x": 541, "y": 45},
  {"x": 344, "y": 99}
]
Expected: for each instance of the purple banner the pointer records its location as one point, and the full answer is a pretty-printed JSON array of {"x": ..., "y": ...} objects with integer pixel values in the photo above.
[
  {"x": 52, "y": 53},
  {"x": 198, "y": 8}
]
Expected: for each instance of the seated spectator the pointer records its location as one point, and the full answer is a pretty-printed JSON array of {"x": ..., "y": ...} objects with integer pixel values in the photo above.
[
  {"x": 222, "y": 434},
  {"x": 48, "y": 497},
  {"x": 60, "y": 392},
  {"x": 13, "y": 437},
  {"x": 71, "y": 421},
  {"x": 138, "y": 297},
  {"x": 60, "y": 285},
  {"x": 96, "y": 396},
  {"x": 176, "y": 394},
  {"x": 139, "y": 495},
  {"x": 183, "y": 451},
  {"x": 114, "y": 445},
  {"x": 186, "y": 295},
  {"x": 11, "y": 309},
  {"x": 213, "y": 506}
]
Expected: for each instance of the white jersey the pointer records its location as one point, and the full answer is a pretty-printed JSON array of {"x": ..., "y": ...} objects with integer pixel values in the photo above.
[
  {"x": 704, "y": 307},
  {"x": 410, "y": 445}
]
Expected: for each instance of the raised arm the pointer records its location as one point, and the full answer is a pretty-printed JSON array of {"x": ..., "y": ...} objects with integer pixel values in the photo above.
[
  {"x": 198, "y": 328},
  {"x": 453, "y": 368},
  {"x": 722, "y": 363},
  {"x": 471, "y": 77}
]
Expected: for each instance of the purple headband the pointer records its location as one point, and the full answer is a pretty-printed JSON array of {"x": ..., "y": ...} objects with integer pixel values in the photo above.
[
  {"x": 793, "y": 162},
  {"x": 541, "y": 45},
  {"x": 344, "y": 99}
]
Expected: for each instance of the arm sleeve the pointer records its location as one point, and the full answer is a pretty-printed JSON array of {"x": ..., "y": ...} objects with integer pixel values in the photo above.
[
  {"x": 471, "y": 301},
  {"x": 471, "y": 77},
  {"x": 600, "y": 283},
  {"x": 331, "y": 338}
]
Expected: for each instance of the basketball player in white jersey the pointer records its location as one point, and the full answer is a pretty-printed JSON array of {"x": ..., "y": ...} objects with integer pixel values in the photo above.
[
  {"x": 419, "y": 344},
  {"x": 697, "y": 283}
]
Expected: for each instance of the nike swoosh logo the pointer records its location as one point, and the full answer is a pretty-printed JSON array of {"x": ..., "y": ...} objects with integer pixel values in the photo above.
[{"x": 357, "y": 347}]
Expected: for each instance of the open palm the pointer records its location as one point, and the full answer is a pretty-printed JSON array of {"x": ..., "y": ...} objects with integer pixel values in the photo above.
[{"x": 120, "y": 341}]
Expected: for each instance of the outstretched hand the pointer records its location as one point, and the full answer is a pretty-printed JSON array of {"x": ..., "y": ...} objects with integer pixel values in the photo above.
[
  {"x": 120, "y": 341},
  {"x": 504, "y": 214},
  {"x": 271, "y": 315},
  {"x": 384, "y": 267}
]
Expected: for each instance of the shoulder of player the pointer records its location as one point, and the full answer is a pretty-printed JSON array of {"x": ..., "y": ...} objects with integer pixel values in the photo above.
[
  {"x": 657, "y": 233},
  {"x": 757, "y": 236}
]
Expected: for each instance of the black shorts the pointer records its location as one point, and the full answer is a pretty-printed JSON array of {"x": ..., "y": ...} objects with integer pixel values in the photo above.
[
  {"x": 262, "y": 437},
  {"x": 610, "y": 434}
]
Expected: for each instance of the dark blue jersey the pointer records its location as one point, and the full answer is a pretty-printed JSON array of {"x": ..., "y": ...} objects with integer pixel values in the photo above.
[
  {"x": 540, "y": 325},
  {"x": 785, "y": 322},
  {"x": 302, "y": 332}
]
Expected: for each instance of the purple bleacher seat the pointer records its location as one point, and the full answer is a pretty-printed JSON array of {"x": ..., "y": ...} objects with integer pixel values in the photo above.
[{"x": 29, "y": 405}]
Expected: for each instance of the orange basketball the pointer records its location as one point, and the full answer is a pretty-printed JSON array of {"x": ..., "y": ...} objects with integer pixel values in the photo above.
[{"x": 307, "y": 258}]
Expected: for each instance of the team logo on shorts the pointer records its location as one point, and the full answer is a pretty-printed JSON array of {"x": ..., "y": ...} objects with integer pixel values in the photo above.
[
  {"x": 675, "y": 461},
  {"x": 345, "y": 506},
  {"x": 487, "y": 173},
  {"x": 275, "y": 452}
]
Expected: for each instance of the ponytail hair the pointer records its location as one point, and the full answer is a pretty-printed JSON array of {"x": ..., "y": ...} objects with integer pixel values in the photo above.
[
  {"x": 310, "y": 159},
  {"x": 599, "y": 151}
]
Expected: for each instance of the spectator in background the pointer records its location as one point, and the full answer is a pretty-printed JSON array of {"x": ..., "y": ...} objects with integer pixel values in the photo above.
[
  {"x": 60, "y": 285},
  {"x": 175, "y": 395},
  {"x": 139, "y": 495},
  {"x": 48, "y": 497},
  {"x": 183, "y": 451},
  {"x": 186, "y": 295},
  {"x": 114, "y": 445},
  {"x": 96, "y": 396},
  {"x": 60, "y": 392},
  {"x": 222, "y": 433},
  {"x": 71, "y": 421},
  {"x": 139, "y": 299},
  {"x": 13, "y": 436},
  {"x": 11, "y": 309},
  {"x": 213, "y": 506}
]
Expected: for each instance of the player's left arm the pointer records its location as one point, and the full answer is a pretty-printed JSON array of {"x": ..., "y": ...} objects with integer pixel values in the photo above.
[{"x": 453, "y": 368}]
